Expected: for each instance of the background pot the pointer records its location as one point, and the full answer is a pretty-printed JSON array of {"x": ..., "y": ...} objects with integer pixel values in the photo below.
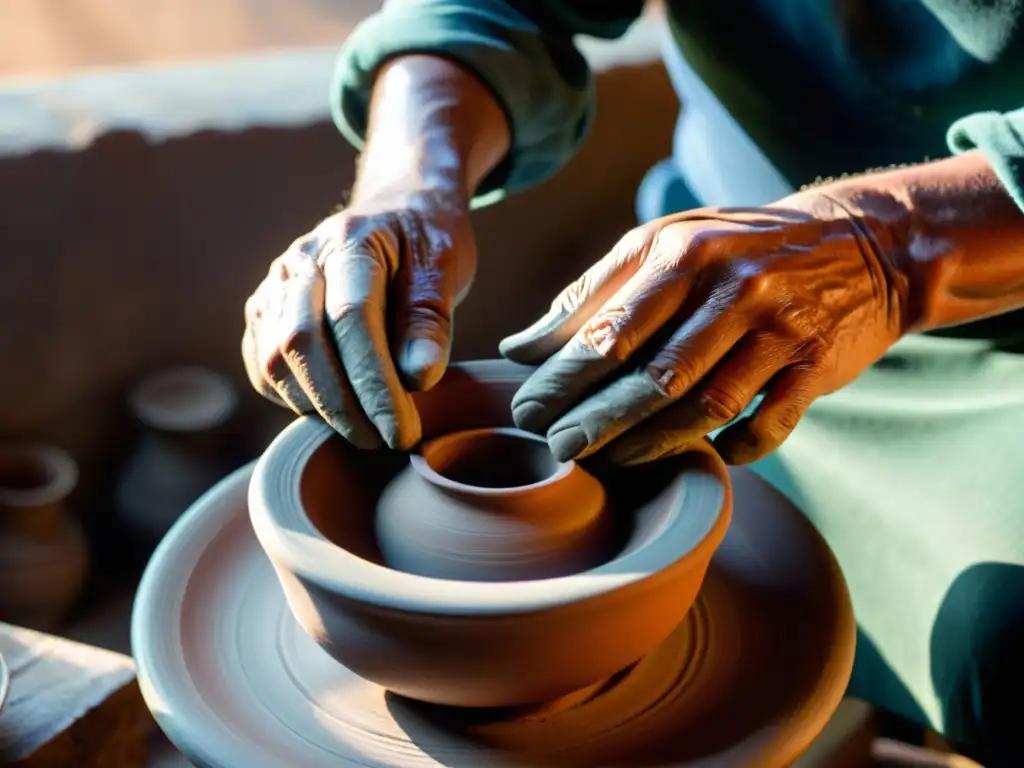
[
  {"x": 184, "y": 448},
  {"x": 44, "y": 559}
]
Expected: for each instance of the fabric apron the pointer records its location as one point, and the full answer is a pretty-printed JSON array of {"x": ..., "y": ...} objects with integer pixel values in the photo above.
[{"x": 914, "y": 473}]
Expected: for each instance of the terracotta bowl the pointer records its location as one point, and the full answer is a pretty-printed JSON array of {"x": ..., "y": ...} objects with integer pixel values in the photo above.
[{"x": 492, "y": 642}]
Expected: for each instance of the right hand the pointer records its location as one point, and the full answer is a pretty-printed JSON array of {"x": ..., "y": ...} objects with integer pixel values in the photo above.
[{"x": 358, "y": 313}]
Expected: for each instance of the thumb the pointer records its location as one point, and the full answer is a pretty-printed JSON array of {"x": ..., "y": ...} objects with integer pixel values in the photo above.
[
  {"x": 577, "y": 303},
  {"x": 423, "y": 324}
]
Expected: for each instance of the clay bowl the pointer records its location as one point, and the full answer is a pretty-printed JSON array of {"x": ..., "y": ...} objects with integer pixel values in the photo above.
[{"x": 629, "y": 550}]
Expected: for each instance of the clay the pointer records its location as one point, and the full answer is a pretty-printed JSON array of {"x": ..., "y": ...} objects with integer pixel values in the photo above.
[
  {"x": 750, "y": 677},
  {"x": 479, "y": 643},
  {"x": 181, "y": 451},
  {"x": 492, "y": 505},
  {"x": 44, "y": 556}
]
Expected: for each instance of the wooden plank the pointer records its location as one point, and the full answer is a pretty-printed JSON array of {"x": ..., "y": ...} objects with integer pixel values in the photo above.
[{"x": 70, "y": 704}]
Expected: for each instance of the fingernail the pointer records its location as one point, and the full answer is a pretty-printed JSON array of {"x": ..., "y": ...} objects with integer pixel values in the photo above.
[
  {"x": 529, "y": 415},
  {"x": 420, "y": 359},
  {"x": 568, "y": 443}
]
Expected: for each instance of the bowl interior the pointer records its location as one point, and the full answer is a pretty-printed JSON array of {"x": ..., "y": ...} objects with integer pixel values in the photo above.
[
  {"x": 491, "y": 459},
  {"x": 340, "y": 485}
]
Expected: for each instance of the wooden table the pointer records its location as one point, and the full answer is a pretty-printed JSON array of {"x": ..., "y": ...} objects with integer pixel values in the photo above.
[{"x": 70, "y": 704}]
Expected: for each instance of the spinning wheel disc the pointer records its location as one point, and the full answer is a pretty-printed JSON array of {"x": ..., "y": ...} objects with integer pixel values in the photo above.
[{"x": 749, "y": 678}]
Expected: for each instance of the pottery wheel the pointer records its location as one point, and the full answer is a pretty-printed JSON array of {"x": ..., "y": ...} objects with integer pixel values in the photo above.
[{"x": 749, "y": 678}]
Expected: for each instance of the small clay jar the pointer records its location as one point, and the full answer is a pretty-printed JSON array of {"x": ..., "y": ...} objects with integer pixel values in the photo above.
[
  {"x": 44, "y": 558},
  {"x": 182, "y": 451},
  {"x": 492, "y": 505}
]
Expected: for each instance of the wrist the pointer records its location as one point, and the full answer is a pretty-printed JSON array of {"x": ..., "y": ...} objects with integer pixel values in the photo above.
[
  {"x": 875, "y": 219},
  {"x": 957, "y": 237},
  {"x": 433, "y": 125}
]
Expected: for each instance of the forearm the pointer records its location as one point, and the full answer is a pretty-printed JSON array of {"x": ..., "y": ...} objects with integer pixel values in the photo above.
[
  {"x": 954, "y": 235},
  {"x": 432, "y": 124}
]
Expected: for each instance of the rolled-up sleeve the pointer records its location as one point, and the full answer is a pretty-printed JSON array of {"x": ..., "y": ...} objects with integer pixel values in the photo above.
[
  {"x": 1000, "y": 137},
  {"x": 520, "y": 51}
]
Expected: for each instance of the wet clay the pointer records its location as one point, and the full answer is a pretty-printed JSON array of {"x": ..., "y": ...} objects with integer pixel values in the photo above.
[
  {"x": 493, "y": 505},
  {"x": 749, "y": 677},
  {"x": 458, "y": 636}
]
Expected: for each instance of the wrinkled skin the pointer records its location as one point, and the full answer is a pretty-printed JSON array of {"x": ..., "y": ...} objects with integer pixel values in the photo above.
[
  {"x": 358, "y": 313},
  {"x": 677, "y": 330}
]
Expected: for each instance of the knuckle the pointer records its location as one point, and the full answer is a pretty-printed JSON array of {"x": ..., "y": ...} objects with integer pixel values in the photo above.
[
  {"x": 638, "y": 242},
  {"x": 816, "y": 347},
  {"x": 573, "y": 295},
  {"x": 669, "y": 241},
  {"x": 428, "y": 316},
  {"x": 798, "y": 321},
  {"x": 297, "y": 342},
  {"x": 302, "y": 247},
  {"x": 719, "y": 404},
  {"x": 750, "y": 281},
  {"x": 672, "y": 379},
  {"x": 610, "y": 334},
  {"x": 274, "y": 366},
  {"x": 785, "y": 421},
  {"x": 253, "y": 308},
  {"x": 343, "y": 315}
]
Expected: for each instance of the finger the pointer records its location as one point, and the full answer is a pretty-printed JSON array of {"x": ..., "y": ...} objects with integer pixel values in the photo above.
[
  {"x": 690, "y": 353},
  {"x": 316, "y": 381},
  {"x": 600, "y": 347},
  {"x": 253, "y": 370},
  {"x": 578, "y": 302},
  {"x": 787, "y": 400},
  {"x": 356, "y": 289},
  {"x": 424, "y": 298},
  {"x": 265, "y": 310},
  {"x": 722, "y": 396}
]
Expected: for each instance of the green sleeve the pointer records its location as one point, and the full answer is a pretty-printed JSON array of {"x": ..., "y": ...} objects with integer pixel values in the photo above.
[
  {"x": 521, "y": 50},
  {"x": 1000, "y": 137}
]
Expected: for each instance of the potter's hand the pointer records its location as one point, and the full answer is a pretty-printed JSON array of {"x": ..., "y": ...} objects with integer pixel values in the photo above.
[
  {"x": 675, "y": 332},
  {"x": 358, "y": 312}
]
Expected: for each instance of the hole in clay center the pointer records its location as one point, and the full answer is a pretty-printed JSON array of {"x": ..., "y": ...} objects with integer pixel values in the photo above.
[
  {"x": 23, "y": 474},
  {"x": 493, "y": 460}
]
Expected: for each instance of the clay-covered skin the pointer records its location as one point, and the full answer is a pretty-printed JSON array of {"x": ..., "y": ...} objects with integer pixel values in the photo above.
[
  {"x": 690, "y": 317},
  {"x": 318, "y": 336}
]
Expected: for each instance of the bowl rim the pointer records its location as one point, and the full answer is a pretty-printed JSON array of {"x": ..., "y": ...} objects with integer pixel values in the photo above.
[
  {"x": 294, "y": 544},
  {"x": 421, "y": 463}
]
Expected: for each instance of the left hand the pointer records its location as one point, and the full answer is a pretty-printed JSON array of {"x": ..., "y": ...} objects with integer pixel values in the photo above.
[{"x": 677, "y": 330}]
